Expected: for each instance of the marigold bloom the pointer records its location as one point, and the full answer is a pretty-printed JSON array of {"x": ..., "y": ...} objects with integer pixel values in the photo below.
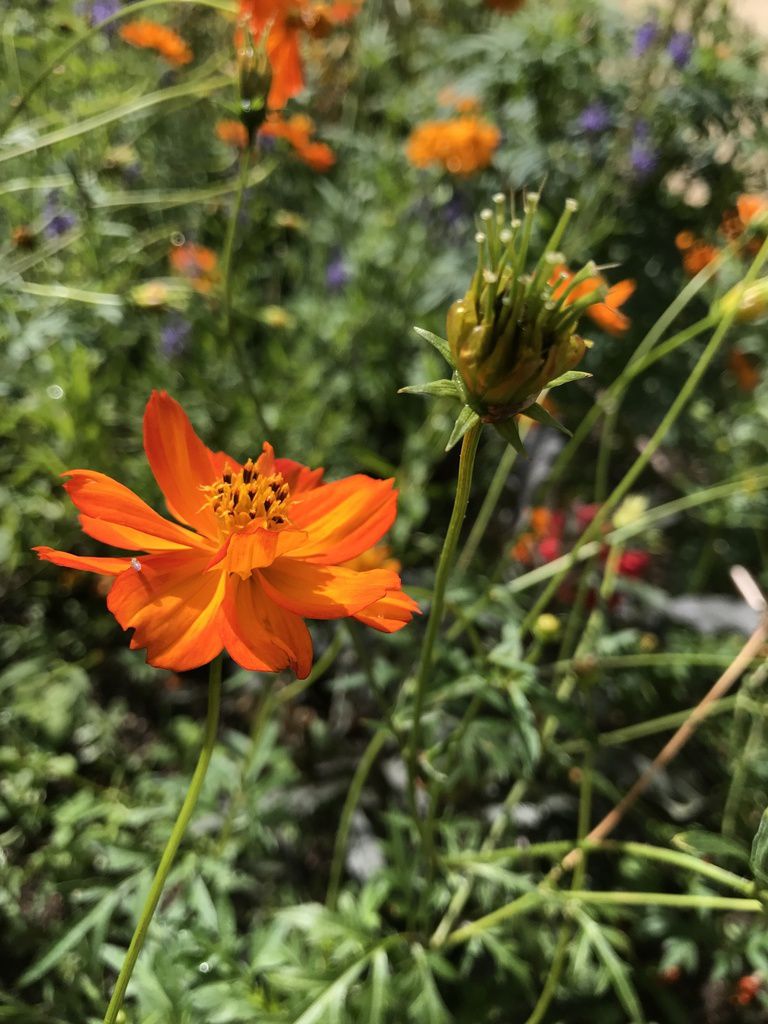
[
  {"x": 298, "y": 130},
  {"x": 150, "y": 36},
  {"x": 196, "y": 262},
  {"x": 261, "y": 547},
  {"x": 284, "y": 21},
  {"x": 606, "y": 314},
  {"x": 462, "y": 145},
  {"x": 232, "y": 133}
]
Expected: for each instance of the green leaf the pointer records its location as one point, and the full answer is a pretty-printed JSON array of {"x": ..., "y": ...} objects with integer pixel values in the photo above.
[
  {"x": 466, "y": 419},
  {"x": 510, "y": 433},
  {"x": 379, "y": 980},
  {"x": 95, "y": 916},
  {"x": 438, "y": 388},
  {"x": 437, "y": 342},
  {"x": 615, "y": 967},
  {"x": 567, "y": 377},
  {"x": 759, "y": 857},
  {"x": 539, "y": 413}
]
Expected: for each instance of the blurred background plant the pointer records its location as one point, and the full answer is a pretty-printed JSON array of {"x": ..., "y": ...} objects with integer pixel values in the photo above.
[{"x": 121, "y": 172}]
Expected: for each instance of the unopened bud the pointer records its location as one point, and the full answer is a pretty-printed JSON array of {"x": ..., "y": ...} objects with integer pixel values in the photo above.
[
  {"x": 750, "y": 303},
  {"x": 254, "y": 79},
  {"x": 546, "y": 627}
]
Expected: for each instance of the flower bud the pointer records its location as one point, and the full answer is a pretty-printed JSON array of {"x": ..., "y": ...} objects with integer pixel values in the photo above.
[
  {"x": 546, "y": 627},
  {"x": 254, "y": 78},
  {"x": 750, "y": 303},
  {"x": 515, "y": 329}
]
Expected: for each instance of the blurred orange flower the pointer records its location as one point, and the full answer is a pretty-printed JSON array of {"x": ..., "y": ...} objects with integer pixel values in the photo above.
[
  {"x": 262, "y": 546},
  {"x": 196, "y": 262},
  {"x": 743, "y": 369},
  {"x": 284, "y": 21},
  {"x": 150, "y": 36},
  {"x": 462, "y": 145},
  {"x": 233, "y": 133},
  {"x": 449, "y": 97},
  {"x": 696, "y": 254},
  {"x": 297, "y": 130},
  {"x": 752, "y": 207},
  {"x": 606, "y": 314}
]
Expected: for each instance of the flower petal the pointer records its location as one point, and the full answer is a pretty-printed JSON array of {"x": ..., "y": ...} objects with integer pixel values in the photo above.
[
  {"x": 115, "y": 515},
  {"x": 256, "y": 547},
  {"x": 343, "y": 519},
  {"x": 298, "y": 477},
  {"x": 324, "y": 592},
  {"x": 261, "y": 635},
  {"x": 391, "y": 613},
  {"x": 181, "y": 463},
  {"x": 174, "y": 606},
  {"x": 103, "y": 566}
]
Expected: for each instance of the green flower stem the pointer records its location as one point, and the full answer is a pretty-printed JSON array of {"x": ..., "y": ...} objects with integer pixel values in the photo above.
[
  {"x": 557, "y": 849},
  {"x": 553, "y": 976},
  {"x": 125, "y": 12},
  {"x": 353, "y": 796},
  {"x": 466, "y": 465},
  {"x": 172, "y": 846},
  {"x": 747, "y": 753},
  {"x": 231, "y": 334},
  {"x": 682, "y": 901},
  {"x": 685, "y": 394},
  {"x": 533, "y": 900},
  {"x": 491, "y": 499}
]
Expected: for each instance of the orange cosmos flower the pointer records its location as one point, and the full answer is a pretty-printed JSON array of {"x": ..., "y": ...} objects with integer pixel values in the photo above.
[
  {"x": 298, "y": 131},
  {"x": 377, "y": 557},
  {"x": 696, "y": 254},
  {"x": 196, "y": 262},
  {"x": 284, "y": 21},
  {"x": 462, "y": 145},
  {"x": 232, "y": 133},
  {"x": 752, "y": 207},
  {"x": 606, "y": 314},
  {"x": 261, "y": 547},
  {"x": 150, "y": 36}
]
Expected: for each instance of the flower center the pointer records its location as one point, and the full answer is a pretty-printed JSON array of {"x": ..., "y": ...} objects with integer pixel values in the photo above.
[{"x": 248, "y": 496}]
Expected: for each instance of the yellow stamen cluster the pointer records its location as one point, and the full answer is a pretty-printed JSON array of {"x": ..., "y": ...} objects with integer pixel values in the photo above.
[{"x": 245, "y": 497}]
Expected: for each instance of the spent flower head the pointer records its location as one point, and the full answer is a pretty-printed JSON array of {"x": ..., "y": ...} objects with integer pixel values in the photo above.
[{"x": 515, "y": 331}]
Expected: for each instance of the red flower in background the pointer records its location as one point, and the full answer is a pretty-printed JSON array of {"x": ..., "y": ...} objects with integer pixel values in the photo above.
[
  {"x": 257, "y": 548},
  {"x": 283, "y": 22}
]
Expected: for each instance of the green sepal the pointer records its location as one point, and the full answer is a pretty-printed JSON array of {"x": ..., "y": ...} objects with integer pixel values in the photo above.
[
  {"x": 759, "y": 857},
  {"x": 539, "y": 413},
  {"x": 466, "y": 419},
  {"x": 437, "y": 342},
  {"x": 567, "y": 377},
  {"x": 437, "y": 388},
  {"x": 510, "y": 433}
]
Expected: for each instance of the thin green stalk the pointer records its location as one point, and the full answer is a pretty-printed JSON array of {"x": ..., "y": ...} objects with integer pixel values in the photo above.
[
  {"x": 490, "y": 501},
  {"x": 682, "y": 901},
  {"x": 522, "y": 905},
  {"x": 353, "y": 796},
  {"x": 172, "y": 846},
  {"x": 685, "y": 394},
  {"x": 230, "y": 334},
  {"x": 444, "y": 565},
  {"x": 128, "y": 11},
  {"x": 196, "y": 87},
  {"x": 747, "y": 753},
  {"x": 319, "y": 669},
  {"x": 553, "y": 976}
]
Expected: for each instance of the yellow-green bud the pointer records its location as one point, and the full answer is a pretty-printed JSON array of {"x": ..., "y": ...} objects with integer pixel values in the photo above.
[
  {"x": 515, "y": 329},
  {"x": 750, "y": 303},
  {"x": 546, "y": 627}
]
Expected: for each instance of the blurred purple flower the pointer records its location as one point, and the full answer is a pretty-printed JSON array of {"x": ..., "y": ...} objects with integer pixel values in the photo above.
[
  {"x": 173, "y": 336},
  {"x": 595, "y": 118},
  {"x": 99, "y": 10},
  {"x": 680, "y": 48},
  {"x": 645, "y": 37},
  {"x": 57, "y": 221},
  {"x": 336, "y": 273},
  {"x": 643, "y": 157}
]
